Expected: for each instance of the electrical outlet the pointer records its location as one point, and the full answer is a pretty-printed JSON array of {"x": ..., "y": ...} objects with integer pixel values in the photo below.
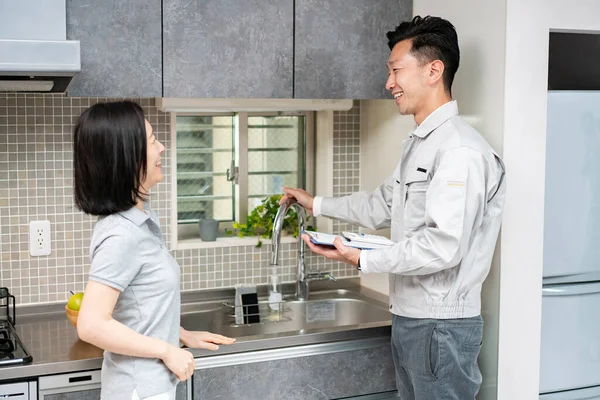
[{"x": 39, "y": 238}]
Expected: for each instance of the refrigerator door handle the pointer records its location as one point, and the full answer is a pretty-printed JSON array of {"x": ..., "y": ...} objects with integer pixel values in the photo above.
[{"x": 571, "y": 290}]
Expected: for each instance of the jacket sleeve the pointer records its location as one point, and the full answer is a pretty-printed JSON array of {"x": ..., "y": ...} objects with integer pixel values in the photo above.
[
  {"x": 454, "y": 206},
  {"x": 370, "y": 210}
]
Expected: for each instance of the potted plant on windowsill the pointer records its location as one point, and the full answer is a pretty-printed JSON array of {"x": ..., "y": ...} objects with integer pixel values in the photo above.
[{"x": 260, "y": 221}]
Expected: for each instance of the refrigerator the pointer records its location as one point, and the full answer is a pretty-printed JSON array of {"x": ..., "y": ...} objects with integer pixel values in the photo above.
[{"x": 570, "y": 336}]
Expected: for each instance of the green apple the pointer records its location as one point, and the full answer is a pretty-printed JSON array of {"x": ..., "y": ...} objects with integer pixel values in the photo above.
[{"x": 75, "y": 301}]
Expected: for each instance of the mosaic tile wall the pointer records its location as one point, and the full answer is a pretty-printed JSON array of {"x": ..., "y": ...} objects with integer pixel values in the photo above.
[
  {"x": 36, "y": 184},
  {"x": 346, "y": 161}
]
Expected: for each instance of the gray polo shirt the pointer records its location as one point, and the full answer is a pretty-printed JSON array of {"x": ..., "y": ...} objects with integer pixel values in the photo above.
[{"x": 128, "y": 253}]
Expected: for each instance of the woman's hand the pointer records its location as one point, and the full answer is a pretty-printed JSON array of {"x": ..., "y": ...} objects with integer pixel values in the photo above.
[
  {"x": 203, "y": 340},
  {"x": 180, "y": 361}
]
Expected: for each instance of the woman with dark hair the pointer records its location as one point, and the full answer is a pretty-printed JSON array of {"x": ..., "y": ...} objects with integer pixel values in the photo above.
[{"x": 131, "y": 306}]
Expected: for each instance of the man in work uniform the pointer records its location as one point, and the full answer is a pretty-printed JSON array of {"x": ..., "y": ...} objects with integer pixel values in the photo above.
[{"x": 444, "y": 204}]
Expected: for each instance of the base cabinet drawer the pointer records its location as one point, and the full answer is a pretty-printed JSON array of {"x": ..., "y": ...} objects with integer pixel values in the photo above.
[{"x": 324, "y": 371}]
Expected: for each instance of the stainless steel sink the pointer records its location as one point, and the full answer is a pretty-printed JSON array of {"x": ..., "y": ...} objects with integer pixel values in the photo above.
[{"x": 326, "y": 310}]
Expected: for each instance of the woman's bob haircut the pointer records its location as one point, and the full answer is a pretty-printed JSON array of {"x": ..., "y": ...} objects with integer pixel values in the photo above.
[{"x": 109, "y": 158}]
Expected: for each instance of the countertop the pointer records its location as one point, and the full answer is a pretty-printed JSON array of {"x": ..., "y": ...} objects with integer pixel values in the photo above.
[{"x": 56, "y": 348}]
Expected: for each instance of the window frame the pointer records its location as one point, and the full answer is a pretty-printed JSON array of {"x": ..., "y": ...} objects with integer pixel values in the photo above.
[{"x": 187, "y": 234}]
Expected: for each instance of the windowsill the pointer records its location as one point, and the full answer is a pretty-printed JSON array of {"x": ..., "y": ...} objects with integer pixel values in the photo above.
[{"x": 196, "y": 243}]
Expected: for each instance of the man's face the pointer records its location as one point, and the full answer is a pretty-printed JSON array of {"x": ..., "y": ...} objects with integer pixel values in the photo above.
[{"x": 407, "y": 80}]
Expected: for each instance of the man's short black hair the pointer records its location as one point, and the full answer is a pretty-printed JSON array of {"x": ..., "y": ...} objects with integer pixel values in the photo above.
[
  {"x": 433, "y": 38},
  {"x": 109, "y": 157}
]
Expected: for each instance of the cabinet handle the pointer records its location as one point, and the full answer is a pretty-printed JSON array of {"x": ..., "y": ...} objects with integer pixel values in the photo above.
[{"x": 83, "y": 378}]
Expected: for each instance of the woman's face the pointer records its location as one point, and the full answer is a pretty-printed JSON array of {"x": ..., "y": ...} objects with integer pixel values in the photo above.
[{"x": 154, "y": 150}]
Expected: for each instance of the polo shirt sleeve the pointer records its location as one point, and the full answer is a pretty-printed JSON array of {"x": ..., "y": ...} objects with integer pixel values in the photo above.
[{"x": 115, "y": 260}]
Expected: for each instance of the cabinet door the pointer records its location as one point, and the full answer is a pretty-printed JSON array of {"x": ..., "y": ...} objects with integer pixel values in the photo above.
[
  {"x": 120, "y": 47},
  {"x": 181, "y": 393},
  {"x": 228, "y": 48},
  {"x": 93, "y": 394},
  {"x": 341, "y": 48},
  {"x": 330, "y": 375}
]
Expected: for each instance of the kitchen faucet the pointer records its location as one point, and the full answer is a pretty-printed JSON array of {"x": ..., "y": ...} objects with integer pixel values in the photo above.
[{"x": 302, "y": 278}]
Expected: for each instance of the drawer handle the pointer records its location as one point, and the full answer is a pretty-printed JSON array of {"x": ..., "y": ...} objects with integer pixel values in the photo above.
[{"x": 83, "y": 378}]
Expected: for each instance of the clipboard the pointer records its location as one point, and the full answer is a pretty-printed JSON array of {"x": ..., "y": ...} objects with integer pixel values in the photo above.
[{"x": 326, "y": 239}]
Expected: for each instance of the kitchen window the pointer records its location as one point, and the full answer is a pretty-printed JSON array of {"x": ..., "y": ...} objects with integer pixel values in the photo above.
[{"x": 225, "y": 164}]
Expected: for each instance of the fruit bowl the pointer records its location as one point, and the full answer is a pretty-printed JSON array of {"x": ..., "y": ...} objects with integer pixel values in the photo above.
[{"x": 72, "y": 316}]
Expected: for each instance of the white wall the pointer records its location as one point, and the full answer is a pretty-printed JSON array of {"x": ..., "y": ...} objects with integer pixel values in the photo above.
[
  {"x": 522, "y": 232},
  {"x": 478, "y": 88},
  {"x": 528, "y": 25}
]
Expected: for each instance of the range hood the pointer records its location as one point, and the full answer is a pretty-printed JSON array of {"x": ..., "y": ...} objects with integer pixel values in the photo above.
[{"x": 34, "y": 53}]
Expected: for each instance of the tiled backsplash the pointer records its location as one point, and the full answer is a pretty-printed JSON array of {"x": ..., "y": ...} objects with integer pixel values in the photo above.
[
  {"x": 36, "y": 184},
  {"x": 346, "y": 160}
]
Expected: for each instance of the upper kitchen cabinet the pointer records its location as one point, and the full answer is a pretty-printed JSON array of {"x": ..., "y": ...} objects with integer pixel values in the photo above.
[
  {"x": 341, "y": 48},
  {"x": 120, "y": 47},
  {"x": 228, "y": 48}
]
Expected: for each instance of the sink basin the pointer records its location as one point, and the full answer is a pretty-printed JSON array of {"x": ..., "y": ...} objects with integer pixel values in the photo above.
[{"x": 324, "y": 310}]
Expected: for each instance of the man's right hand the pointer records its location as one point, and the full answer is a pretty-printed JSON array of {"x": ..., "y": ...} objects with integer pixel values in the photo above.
[{"x": 299, "y": 196}]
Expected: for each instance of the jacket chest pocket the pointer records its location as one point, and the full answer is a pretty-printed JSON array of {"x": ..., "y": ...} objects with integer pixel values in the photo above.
[{"x": 415, "y": 194}]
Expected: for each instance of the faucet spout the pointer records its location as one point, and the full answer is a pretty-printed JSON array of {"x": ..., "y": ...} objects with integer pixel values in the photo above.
[{"x": 301, "y": 281}]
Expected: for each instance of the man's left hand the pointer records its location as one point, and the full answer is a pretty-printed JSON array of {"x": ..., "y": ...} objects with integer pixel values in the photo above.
[{"x": 340, "y": 252}]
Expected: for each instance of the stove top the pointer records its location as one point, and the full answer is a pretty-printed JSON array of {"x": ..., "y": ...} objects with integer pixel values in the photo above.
[{"x": 12, "y": 350}]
